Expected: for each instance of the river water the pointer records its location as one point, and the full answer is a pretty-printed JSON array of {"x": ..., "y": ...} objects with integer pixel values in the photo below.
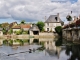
[{"x": 54, "y": 50}]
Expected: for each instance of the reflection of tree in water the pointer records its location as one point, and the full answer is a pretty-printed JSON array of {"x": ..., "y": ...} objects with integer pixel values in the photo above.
[
  {"x": 59, "y": 42},
  {"x": 75, "y": 50}
]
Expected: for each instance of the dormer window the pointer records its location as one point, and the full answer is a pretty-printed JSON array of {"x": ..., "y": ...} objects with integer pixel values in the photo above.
[{"x": 56, "y": 18}]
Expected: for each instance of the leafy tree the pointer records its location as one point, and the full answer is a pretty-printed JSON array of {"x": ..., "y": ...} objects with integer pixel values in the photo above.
[
  {"x": 23, "y": 22},
  {"x": 0, "y": 25},
  {"x": 10, "y": 31},
  {"x": 58, "y": 29},
  {"x": 4, "y": 31},
  {"x": 69, "y": 18},
  {"x": 5, "y": 25},
  {"x": 40, "y": 25},
  {"x": 18, "y": 32}
]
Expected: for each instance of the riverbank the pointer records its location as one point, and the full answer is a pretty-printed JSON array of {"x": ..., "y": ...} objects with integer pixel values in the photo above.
[{"x": 27, "y": 36}]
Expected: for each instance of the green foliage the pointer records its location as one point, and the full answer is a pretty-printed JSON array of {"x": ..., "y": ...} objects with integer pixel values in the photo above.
[
  {"x": 5, "y": 42},
  {"x": 25, "y": 32},
  {"x": 26, "y": 40},
  {"x": 69, "y": 18},
  {"x": 20, "y": 41},
  {"x": 58, "y": 30},
  {"x": 43, "y": 30},
  {"x": 40, "y": 25},
  {"x": 42, "y": 43},
  {"x": 5, "y": 25},
  {"x": 18, "y": 32},
  {"x": 4, "y": 31},
  {"x": 1, "y": 25},
  {"x": 10, "y": 31},
  {"x": 59, "y": 42},
  {"x": 10, "y": 42},
  {"x": 23, "y": 22},
  {"x": 35, "y": 41}
]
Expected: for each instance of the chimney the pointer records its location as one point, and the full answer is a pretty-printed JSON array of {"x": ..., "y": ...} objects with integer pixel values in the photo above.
[
  {"x": 58, "y": 17},
  {"x": 45, "y": 18}
]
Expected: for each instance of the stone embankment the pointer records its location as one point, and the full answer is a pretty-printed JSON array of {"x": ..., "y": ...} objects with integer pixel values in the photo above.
[{"x": 26, "y": 36}]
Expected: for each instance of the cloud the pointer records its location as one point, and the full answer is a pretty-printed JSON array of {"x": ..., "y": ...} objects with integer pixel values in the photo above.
[{"x": 35, "y": 10}]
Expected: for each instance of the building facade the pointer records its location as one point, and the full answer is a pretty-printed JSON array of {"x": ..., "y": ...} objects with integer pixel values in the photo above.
[{"x": 52, "y": 22}]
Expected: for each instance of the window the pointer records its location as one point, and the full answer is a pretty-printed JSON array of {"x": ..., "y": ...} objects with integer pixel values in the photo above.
[{"x": 56, "y": 18}]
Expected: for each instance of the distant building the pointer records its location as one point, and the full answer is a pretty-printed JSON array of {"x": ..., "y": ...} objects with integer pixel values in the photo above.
[
  {"x": 13, "y": 24},
  {"x": 16, "y": 28},
  {"x": 52, "y": 22},
  {"x": 34, "y": 30},
  {"x": 25, "y": 27}
]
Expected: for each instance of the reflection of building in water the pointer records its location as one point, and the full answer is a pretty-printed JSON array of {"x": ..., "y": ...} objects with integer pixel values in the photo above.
[{"x": 52, "y": 49}]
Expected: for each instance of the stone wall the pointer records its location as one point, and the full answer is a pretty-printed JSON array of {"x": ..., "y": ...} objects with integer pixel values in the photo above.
[{"x": 45, "y": 34}]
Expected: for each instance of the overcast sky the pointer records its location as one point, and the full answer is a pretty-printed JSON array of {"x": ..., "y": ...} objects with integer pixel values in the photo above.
[{"x": 36, "y": 10}]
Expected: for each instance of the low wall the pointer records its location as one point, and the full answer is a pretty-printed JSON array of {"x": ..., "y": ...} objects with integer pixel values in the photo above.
[
  {"x": 27, "y": 36},
  {"x": 47, "y": 35},
  {"x": 20, "y": 36}
]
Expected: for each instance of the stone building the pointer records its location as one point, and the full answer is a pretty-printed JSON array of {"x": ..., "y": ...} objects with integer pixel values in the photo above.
[
  {"x": 34, "y": 30},
  {"x": 52, "y": 22}
]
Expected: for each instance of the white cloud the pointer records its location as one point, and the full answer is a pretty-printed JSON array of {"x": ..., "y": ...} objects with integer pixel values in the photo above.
[{"x": 35, "y": 10}]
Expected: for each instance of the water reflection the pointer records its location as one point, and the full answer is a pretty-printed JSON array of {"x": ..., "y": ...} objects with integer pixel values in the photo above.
[
  {"x": 75, "y": 52},
  {"x": 40, "y": 49}
]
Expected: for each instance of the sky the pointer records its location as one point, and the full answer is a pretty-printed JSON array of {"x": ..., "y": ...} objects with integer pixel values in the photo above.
[{"x": 35, "y": 10}]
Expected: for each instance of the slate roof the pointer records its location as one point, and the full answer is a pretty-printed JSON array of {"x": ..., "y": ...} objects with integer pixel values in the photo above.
[
  {"x": 53, "y": 19},
  {"x": 34, "y": 28}
]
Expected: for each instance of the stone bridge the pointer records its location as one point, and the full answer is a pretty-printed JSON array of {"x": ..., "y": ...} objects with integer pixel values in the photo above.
[{"x": 71, "y": 34}]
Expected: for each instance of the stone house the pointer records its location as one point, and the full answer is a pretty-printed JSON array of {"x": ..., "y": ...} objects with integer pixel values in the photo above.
[
  {"x": 25, "y": 27},
  {"x": 16, "y": 28},
  {"x": 52, "y": 22},
  {"x": 34, "y": 30},
  {"x": 13, "y": 24}
]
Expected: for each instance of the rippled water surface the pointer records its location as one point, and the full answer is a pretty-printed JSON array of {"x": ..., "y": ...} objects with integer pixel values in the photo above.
[{"x": 54, "y": 50}]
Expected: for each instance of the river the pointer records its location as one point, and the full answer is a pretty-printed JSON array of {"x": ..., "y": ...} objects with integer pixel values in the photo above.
[{"x": 55, "y": 49}]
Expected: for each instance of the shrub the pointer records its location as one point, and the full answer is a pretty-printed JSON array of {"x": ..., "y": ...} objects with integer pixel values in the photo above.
[
  {"x": 5, "y": 42},
  {"x": 58, "y": 30}
]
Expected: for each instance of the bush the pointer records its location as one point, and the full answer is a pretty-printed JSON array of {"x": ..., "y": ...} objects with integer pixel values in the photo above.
[
  {"x": 25, "y": 32},
  {"x": 40, "y": 25},
  {"x": 10, "y": 42},
  {"x": 20, "y": 41},
  {"x": 58, "y": 30},
  {"x": 5, "y": 42}
]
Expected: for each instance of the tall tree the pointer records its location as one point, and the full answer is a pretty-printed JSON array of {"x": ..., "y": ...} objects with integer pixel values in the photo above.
[
  {"x": 4, "y": 25},
  {"x": 69, "y": 18},
  {"x": 58, "y": 30},
  {"x": 40, "y": 25},
  {"x": 23, "y": 22}
]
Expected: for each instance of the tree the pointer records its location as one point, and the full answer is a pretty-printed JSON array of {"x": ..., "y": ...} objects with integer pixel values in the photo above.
[
  {"x": 69, "y": 18},
  {"x": 23, "y": 22},
  {"x": 5, "y": 25},
  {"x": 40, "y": 25},
  {"x": 10, "y": 31},
  {"x": 58, "y": 30},
  {"x": 4, "y": 31}
]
